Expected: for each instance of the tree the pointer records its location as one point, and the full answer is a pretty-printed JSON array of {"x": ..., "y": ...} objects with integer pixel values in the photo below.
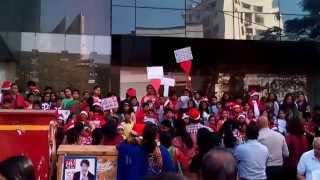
[{"x": 307, "y": 25}]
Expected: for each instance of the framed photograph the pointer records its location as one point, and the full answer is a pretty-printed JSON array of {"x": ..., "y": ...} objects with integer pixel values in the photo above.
[{"x": 79, "y": 168}]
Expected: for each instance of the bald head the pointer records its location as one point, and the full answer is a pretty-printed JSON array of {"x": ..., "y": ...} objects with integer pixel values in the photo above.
[
  {"x": 263, "y": 122},
  {"x": 218, "y": 164},
  {"x": 316, "y": 147}
]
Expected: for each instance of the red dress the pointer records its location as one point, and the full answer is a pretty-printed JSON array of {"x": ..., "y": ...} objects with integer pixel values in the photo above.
[{"x": 297, "y": 145}]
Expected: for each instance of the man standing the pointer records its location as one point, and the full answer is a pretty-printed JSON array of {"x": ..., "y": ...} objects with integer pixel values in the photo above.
[
  {"x": 84, "y": 174},
  {"x": 252, "y": 156},
  {"x": 218, "y": 164},
  {"x": 309, "y": 164},
  {"x": 277, "y": 147}
]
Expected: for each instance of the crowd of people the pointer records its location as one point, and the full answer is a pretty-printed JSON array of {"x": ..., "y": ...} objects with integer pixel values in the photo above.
[{"x": 191, "y": 135}]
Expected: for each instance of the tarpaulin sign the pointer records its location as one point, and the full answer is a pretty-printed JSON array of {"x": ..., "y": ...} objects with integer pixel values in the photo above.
[{"x": 30, "y": 133}]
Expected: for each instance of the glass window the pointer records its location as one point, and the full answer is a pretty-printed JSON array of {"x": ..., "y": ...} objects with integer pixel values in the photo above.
[
  {"x": 259, "y": 19},
  {"x": 160, "y": 22},
  {"x": 174, "y": 4},
  {"x": 246, "y": 6},
  {"x": 88, "y": 17},
  {"x": 123, "y": 20},
  {"x": 248, "y": 18},
  {"x": 258, "y": 8},
  {"x": 53, "y": 21},
  {"x": 124, "y": 2}
]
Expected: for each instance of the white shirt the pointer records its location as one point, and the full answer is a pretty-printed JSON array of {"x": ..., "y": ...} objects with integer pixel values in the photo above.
[
  {"x": 252, "y": 158},
  {"x": 82, "y": 177},
  {"x": 276, "y": 144},
  {"x": 309, "y": 166}
]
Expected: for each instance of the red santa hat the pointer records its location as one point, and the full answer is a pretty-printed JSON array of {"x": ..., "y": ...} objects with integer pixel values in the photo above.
[
  {"x": 6, "y": 85},
  {"x": 254, "y": 93},
  {"x": 97, "y": 104},
  {"x": 241, "y": 116},
  {"x": 84, "y": 113},
  {"x": 236, "y": 106},
  {"x": 194, "y": 114},
  {"x": 138, "y": 129},
  {"x": 131, "y": 92}
]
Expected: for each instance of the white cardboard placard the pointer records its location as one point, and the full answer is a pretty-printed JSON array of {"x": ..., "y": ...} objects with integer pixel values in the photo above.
[
  {"x": 155, "y": 72},
  {"x": 184, "y": 54},
  {"x": 109, "y": 103}
]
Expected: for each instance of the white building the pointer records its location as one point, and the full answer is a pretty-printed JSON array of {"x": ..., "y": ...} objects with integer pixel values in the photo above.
[{"x": 235, "y": 19}]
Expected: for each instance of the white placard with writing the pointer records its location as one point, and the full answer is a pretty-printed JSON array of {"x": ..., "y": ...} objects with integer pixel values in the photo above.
[
  {"x": 184, "y": 54},
  {"x": 109, "y": 103},
  {"x": 155, "y": 72},
  {"x": 167, "y": 82}
]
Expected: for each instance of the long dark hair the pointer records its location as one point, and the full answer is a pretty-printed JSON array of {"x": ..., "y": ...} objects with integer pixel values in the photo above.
[
  {"x": 149, "y": 136},
  {"x": 181, "y": 131},
  {"x": 17, "y": 168},
  {"x": 201, "y": 109},
  {"x": 206, "y": 141},
  {"x": 110, "y": 129},
  {"x": 285, "y": 106}
]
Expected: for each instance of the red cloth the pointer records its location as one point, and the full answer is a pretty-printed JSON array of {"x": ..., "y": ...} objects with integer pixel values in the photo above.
[
  {"x": 114, "y": 141},
  {"x": 19, "y": 102},
  {"x": 297, "y": 145},
  {"x": 140, "y": 117}
]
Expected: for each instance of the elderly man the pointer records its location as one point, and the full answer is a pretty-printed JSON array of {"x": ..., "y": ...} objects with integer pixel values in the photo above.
[
  {"x": 277, "y": 147},
  {"x": 309, "y": 164},
  {"x": 219, "y": 164}
]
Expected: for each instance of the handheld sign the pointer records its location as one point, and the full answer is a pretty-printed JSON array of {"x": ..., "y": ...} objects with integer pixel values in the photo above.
[
  {"x": 167, "y": 82},
  {"x": 109, "y": 103},
  {"x": 184, "y": 57},
  {"x": 184, "y": 54},
  {"x": 155, "y": 72}
]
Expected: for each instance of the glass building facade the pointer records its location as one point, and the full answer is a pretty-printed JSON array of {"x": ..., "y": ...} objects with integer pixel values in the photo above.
[{"x": 68, "y": 42}]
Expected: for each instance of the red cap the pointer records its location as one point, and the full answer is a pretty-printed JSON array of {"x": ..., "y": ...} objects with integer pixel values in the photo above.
[
  {"x": 69, "y": 126},
  {"x": 254, "y": 93},
  {"x": 6, "y": 85},
  {"x": 194, "y": 114},
  {"x": 137, "y": 129},
  {"x": 236, "y": 106},
  {"x": 131, "y": 92}
]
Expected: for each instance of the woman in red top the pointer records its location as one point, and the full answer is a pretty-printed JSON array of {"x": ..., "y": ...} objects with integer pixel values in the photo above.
[
  {"x": 150, "y": 97},
  {"x": 111, "y": 135},
  {"x": 297, "y": 144},
  {"x": 18, "y": 99}
]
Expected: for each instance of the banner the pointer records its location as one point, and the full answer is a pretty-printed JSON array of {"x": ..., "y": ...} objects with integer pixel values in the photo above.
[{"x": 109, "y": 103}]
